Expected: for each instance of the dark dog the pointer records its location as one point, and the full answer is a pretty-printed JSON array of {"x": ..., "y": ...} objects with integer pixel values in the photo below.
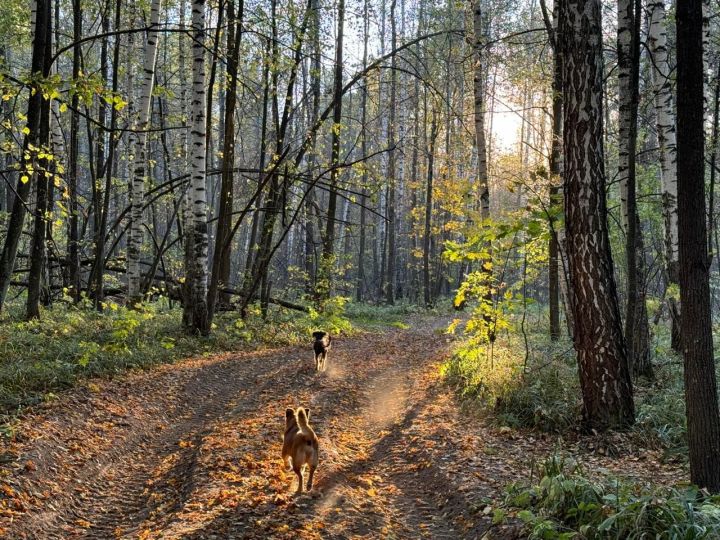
[
  {"x": 300, "y": 445},
  {"x": 321, "y": 346}
]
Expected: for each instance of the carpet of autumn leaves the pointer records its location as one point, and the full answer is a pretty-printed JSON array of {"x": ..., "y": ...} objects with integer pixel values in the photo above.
[{"x": 192, "y": 450}]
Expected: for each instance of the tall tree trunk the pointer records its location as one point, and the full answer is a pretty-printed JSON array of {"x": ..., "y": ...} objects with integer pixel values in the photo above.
[
  {"x": 98, "y": 271},
  {"x": 665, "y": 115},
  {"x": 391, "y": 255},
  {"x": 555, "y": 173},
  {"x": 197, "y": 273},
  {"x": 480, "y": 144},
  {"x": 137, "y": 185},
  {"x": 252, "y": 240},
  {"x": 37, "y": 250},
  {"x": 703, "y": 418},
  {"x": 328, "y": 257},
  {"x": 360, "y": 288},
  {"x": 628, "y": 49},
  {"x": 221, "y": 255},
  {"x": 598, "y": 338},
  {"x": 427, "y": 292},
  {"x": 310, "y": 201},
  {"x": 29, "y": 168},
  {"x": 73, "y": 172}
]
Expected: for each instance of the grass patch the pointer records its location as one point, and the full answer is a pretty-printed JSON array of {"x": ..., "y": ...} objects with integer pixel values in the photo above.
[
  {"x": 70, "y": 343},
  {"x": 564, "y": 504},
  {"x": 542, "y": 391},
  {"x": 371, "y": 317}
]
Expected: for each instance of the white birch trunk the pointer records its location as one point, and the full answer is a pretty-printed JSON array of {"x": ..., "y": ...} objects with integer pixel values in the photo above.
[
  {"x": 137, "y": 184},
  {"x": 707, "y": 92},
  {"x": 198, "y": 194},
  {"x": 664, "y": 109},
  {"x": 624, "y": 54}
]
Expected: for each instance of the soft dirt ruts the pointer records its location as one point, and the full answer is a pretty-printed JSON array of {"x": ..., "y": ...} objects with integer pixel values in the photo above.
[{"x": 192, "y": 450}]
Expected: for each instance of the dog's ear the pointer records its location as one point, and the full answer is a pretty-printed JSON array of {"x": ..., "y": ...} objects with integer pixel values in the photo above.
[
  {"x": 289, "y": 413},
  {"x": 318, "y": 335},
  {"x": 307, "y": 412}
]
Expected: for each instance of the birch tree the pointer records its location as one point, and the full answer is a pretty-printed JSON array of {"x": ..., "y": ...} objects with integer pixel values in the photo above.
[
  {"x": 137, "y": 185},
  {"x": 665, "y": 124},
  {"x": 482, "y": 185},
  {"x": 598, "y": 338},
  {"x": 197, "y": 272}
]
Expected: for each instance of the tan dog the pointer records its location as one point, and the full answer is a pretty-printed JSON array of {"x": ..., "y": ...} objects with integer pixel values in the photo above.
[{"x": 300, "y": 444}]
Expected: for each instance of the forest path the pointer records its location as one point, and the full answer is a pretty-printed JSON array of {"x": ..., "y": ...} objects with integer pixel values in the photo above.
[{"x": 192, "y": 450}]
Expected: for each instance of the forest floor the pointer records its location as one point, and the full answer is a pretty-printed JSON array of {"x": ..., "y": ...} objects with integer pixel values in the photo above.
[{"x": 192, "y": 450}]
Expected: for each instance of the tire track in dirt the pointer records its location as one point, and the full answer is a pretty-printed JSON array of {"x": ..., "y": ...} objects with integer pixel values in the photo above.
[
  {"x": 192, "y": 450},
  {"x": 104, "y": 492}
]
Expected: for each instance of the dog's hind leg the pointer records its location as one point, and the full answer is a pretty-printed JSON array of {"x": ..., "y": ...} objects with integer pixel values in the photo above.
[
  {"x": 298, "y": 472},
  {"x": 311, "y": 476},
  {"x": 324, "y": 361}
]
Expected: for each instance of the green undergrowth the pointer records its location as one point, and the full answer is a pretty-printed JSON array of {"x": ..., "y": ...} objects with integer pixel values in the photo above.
[
  {"x": 371, "y": 317},
  {"x": 561, "y": 502},
  {"x": 540, "y": 390},
  {"x": 70, "y": 343},
  {"x": 536, "y": 390}
]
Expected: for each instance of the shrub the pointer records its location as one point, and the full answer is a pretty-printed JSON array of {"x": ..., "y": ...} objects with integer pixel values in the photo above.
[
  {"x": 540, "y": 391},
  {"x": 565, "y": 504}
]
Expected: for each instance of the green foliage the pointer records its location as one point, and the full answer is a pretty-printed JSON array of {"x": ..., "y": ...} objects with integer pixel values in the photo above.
[
  {"x": 660, "y": 411},
  {"x": 565, "y": 504},
  {"x": 70, "y": 343},
  {"x": 540, "y": 391},
  {"x": 369, "y": 316},
  {"x": 507, "y": 254}
]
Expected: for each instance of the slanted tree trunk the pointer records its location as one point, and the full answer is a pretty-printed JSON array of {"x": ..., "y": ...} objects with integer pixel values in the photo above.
[
  {"x": 199, "y": 322},
  {"x": 276, "y": 192},
  {"x": 29, "y": 167},
  {"x": 703, "y": 418},
  {"x": 137, "y": 185},
  {"x": 665, "y": 124},
  {"x": 598, "y": 338}
]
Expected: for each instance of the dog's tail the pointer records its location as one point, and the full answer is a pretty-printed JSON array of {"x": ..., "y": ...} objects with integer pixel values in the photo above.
[{"x": 302, "y": 418}]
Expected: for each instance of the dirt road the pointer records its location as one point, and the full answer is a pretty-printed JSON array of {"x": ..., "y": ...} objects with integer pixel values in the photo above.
[{"x": 192, "y": 450}]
